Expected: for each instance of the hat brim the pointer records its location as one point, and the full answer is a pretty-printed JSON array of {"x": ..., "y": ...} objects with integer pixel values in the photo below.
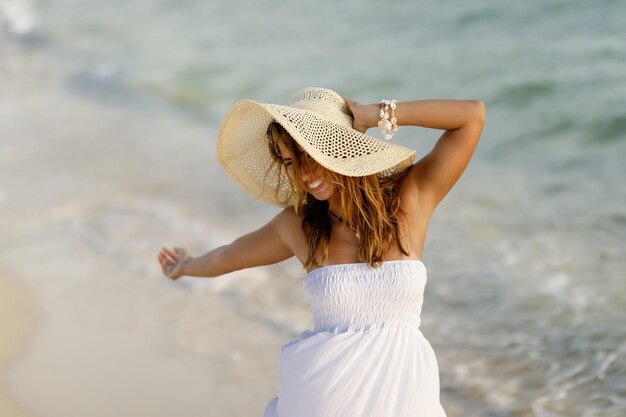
[{"x": 243, "y": 148}]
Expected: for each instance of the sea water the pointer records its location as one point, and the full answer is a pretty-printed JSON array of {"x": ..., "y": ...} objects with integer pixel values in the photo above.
[{"x": 526, "y": 300}]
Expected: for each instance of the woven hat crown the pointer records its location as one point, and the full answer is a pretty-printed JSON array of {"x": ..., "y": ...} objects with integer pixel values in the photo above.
[{"x": 326, "y": 103}]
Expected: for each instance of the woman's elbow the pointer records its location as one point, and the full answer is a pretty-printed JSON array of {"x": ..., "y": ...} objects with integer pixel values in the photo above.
[{"x": 479, "y": 111}]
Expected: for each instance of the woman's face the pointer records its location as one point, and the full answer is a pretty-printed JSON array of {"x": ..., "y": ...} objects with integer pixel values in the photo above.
[{"x": 311, "y": 173}]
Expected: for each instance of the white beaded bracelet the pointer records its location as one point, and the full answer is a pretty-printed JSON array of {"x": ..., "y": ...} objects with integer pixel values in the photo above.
[{"x": 388, "y": 126}]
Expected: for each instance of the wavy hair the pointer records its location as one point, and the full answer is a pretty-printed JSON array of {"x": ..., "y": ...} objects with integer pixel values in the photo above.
[{"x": 370, "y": 205}]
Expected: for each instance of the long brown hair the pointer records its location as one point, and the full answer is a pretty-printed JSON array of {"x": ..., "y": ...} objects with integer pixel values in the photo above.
[{"x": 369, "y": 204}]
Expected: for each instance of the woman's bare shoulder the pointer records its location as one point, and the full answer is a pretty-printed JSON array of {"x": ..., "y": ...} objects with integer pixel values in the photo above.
[
  {"x": 290, "y": 223},
  {"x": 290, "y": 231},
  {"x": 288, "y": 216}
]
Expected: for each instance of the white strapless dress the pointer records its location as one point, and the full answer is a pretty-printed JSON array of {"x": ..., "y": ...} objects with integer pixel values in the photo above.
[{"x": 366, "y": 356}]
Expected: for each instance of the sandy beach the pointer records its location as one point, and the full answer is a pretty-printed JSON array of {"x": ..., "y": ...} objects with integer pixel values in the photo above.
[
  {"x": 114, "y": 335},
  {"x": 18, "y": 320}
]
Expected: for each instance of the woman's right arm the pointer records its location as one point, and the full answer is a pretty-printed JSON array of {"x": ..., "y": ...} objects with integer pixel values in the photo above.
[
  {"x": 264, "y": 246},
  {"x": 437, "y": 172}
]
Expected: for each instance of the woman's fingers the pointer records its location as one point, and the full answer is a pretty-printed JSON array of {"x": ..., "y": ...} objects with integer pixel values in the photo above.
[
  {"x": 171, "y": 261},
  {"x": 170, "y": 255},
  {"x": 163, "y": 258},
  {"x": 349, "y": 103},
  {"x": 166, "y": 261},
  {"x": 355, "y": 108}
]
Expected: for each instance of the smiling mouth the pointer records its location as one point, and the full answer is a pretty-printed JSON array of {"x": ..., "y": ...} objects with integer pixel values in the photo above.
[{"x": 313, "y": 186}]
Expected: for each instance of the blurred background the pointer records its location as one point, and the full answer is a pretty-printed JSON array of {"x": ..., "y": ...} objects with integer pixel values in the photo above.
[{"x": 108, "y": 116}]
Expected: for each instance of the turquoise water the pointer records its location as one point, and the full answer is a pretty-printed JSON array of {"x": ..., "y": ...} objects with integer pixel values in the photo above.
[{"x": 527, "y": 256}]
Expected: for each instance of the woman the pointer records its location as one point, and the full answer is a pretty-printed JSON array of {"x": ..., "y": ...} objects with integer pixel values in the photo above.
[{"x": 355, "y": 213}]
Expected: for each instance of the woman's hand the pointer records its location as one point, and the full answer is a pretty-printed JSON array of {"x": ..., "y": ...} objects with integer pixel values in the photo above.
[
  {"x": 365, "y": 115},
  {"x": 172, "y": 262}
]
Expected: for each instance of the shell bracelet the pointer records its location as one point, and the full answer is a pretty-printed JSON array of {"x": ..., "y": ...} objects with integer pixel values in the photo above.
[{"x": 388, "y": 123}]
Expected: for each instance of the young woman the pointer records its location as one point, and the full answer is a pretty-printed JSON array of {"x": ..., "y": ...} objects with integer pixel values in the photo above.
[{"x": 355, "y": 213}]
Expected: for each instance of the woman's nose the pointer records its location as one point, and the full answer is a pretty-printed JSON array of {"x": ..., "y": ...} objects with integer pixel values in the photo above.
[{"x": 305, "y": 173}]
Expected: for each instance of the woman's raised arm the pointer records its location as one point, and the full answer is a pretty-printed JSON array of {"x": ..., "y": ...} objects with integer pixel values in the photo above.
[
  {"x": 264, "y": 246},
  {"x": 437, "y": 172}
]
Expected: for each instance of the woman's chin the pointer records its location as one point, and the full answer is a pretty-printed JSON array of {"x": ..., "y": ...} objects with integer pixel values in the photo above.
[
  {"x": 321, "y": 194},
  {"x": 321, "y": 198}
]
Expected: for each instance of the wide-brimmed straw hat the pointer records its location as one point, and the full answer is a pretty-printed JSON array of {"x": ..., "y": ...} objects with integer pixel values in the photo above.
[{"x": 318, "y": 119}]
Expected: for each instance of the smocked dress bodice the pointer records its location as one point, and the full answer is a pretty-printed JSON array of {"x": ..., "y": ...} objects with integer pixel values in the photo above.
[
  {"x": 353, "y": 296},
  {"x": 366, "y": 355}
]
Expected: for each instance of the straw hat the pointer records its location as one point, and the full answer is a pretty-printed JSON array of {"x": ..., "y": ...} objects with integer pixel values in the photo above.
[{"x": 318, "y": 119}]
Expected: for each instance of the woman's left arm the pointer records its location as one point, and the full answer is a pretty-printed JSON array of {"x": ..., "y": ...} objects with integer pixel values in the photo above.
[{"x": 437, "y": 172}]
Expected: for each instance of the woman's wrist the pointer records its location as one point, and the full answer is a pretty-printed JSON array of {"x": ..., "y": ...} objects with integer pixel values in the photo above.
[
  {"x": 184, "y": 265},
  {"x": 367, "y": 116}
]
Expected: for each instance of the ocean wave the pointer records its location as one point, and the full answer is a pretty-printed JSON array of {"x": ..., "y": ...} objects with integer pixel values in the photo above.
[
  {"x": 608, "y": 131},
  {"x": 524, "y": 93}
]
